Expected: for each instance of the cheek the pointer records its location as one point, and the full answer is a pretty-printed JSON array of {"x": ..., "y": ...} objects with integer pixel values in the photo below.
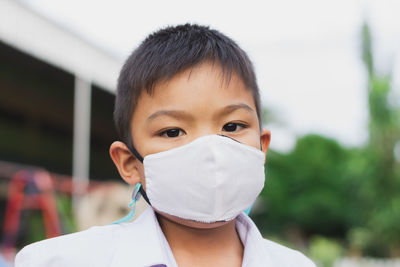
[
  {"x": 164, "y": 144},
  {"x": 251, "y": 138}
]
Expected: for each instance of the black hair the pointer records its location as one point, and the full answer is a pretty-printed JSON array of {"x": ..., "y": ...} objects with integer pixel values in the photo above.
[{"x": 170, "y": 51}]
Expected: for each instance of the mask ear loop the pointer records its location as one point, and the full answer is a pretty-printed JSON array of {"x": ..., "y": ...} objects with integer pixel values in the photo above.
[
  {"x": 135, "y": 197},
  {"x": 140, "y": 158},
  {"x": 248, "y": 210}
]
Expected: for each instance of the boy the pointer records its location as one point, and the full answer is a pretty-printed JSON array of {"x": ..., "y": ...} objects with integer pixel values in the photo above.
[{"x": 188, "y": 113}]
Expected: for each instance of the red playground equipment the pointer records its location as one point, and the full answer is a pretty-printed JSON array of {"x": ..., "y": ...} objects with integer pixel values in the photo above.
[{"x": 29, "y": 190}]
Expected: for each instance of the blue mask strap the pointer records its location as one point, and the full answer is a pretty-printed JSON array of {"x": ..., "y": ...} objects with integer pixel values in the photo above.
[
  {"x": 135, "y": 197},
  {"x": 249, "y": 209}
]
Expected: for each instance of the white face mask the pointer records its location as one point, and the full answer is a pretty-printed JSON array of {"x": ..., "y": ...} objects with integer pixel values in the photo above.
[{"x": 213, "y": 178}]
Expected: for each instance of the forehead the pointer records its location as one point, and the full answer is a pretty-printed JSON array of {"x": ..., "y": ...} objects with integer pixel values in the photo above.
[{"x": 203, "y": 88}]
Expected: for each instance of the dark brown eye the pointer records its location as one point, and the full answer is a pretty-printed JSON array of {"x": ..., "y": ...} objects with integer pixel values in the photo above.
[
  {"x": 230, "y": 127},
  {"x": 172, "y": 133},
  {"x": 233, "y": 127}
]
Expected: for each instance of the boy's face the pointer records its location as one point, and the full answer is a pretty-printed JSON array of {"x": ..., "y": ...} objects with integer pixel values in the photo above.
[{"x": 194, "y": 103}]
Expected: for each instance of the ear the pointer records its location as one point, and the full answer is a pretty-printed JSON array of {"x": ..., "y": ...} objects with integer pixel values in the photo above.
[
  {"x": 125, "y": 162},
  {"x": 265, "y": 140}
]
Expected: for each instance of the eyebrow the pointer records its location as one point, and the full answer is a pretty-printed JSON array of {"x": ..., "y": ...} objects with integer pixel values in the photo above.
[
  {"x": 176, "y": 114},
  {"x": 183, "y": 115},
  {"x": 231, "y": 108}
]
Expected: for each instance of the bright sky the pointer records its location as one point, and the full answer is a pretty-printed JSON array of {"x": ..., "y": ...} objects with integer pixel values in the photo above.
[{"x": 306, "y": 53}]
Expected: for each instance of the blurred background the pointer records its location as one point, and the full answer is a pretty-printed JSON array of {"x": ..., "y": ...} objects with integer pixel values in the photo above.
[{"x": 329, "y": 73}]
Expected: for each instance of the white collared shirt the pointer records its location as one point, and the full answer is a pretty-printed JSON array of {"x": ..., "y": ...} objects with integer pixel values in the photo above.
[{"x": 143, "y": 244}]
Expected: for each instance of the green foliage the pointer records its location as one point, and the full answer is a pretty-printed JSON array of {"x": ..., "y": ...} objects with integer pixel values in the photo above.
[
  {"x": 33, "y": 225},
  {"x": 309, "y": 188},
  {"x": 34, "y": 228},
  {"x": 351, "y": 194},
  {"x": 325, "y": 251},
  {"x": 64, "y": 208},
  {"x": 366, "y": 48}
]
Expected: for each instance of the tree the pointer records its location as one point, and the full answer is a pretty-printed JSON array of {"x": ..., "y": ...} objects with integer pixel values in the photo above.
[{"x": 381, "y": 189}]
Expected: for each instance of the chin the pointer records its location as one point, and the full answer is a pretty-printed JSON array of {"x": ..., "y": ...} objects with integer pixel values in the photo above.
[{"x": 191, "y": 223}]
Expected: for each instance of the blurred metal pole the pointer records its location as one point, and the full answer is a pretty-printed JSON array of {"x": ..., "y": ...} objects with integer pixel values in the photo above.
[{"x": 81, "y": 140}]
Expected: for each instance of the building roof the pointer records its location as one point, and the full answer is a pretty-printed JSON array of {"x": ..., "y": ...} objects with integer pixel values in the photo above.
[{"x": 24, "y": 29}]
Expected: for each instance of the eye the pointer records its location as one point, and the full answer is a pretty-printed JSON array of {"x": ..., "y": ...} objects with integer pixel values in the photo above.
[
  {"x": 233, "y": 127},
  {"x": 172, "y": 133}
]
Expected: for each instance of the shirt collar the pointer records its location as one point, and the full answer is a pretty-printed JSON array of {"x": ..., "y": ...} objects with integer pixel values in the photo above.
[
  {"x": 142, "y": 243},
  {"x": 253, "y": 243},
  {"x": 139, "y": 243}
]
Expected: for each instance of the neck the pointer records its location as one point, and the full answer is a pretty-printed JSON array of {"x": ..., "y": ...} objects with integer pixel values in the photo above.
[{"x": 203, "y": 246}]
